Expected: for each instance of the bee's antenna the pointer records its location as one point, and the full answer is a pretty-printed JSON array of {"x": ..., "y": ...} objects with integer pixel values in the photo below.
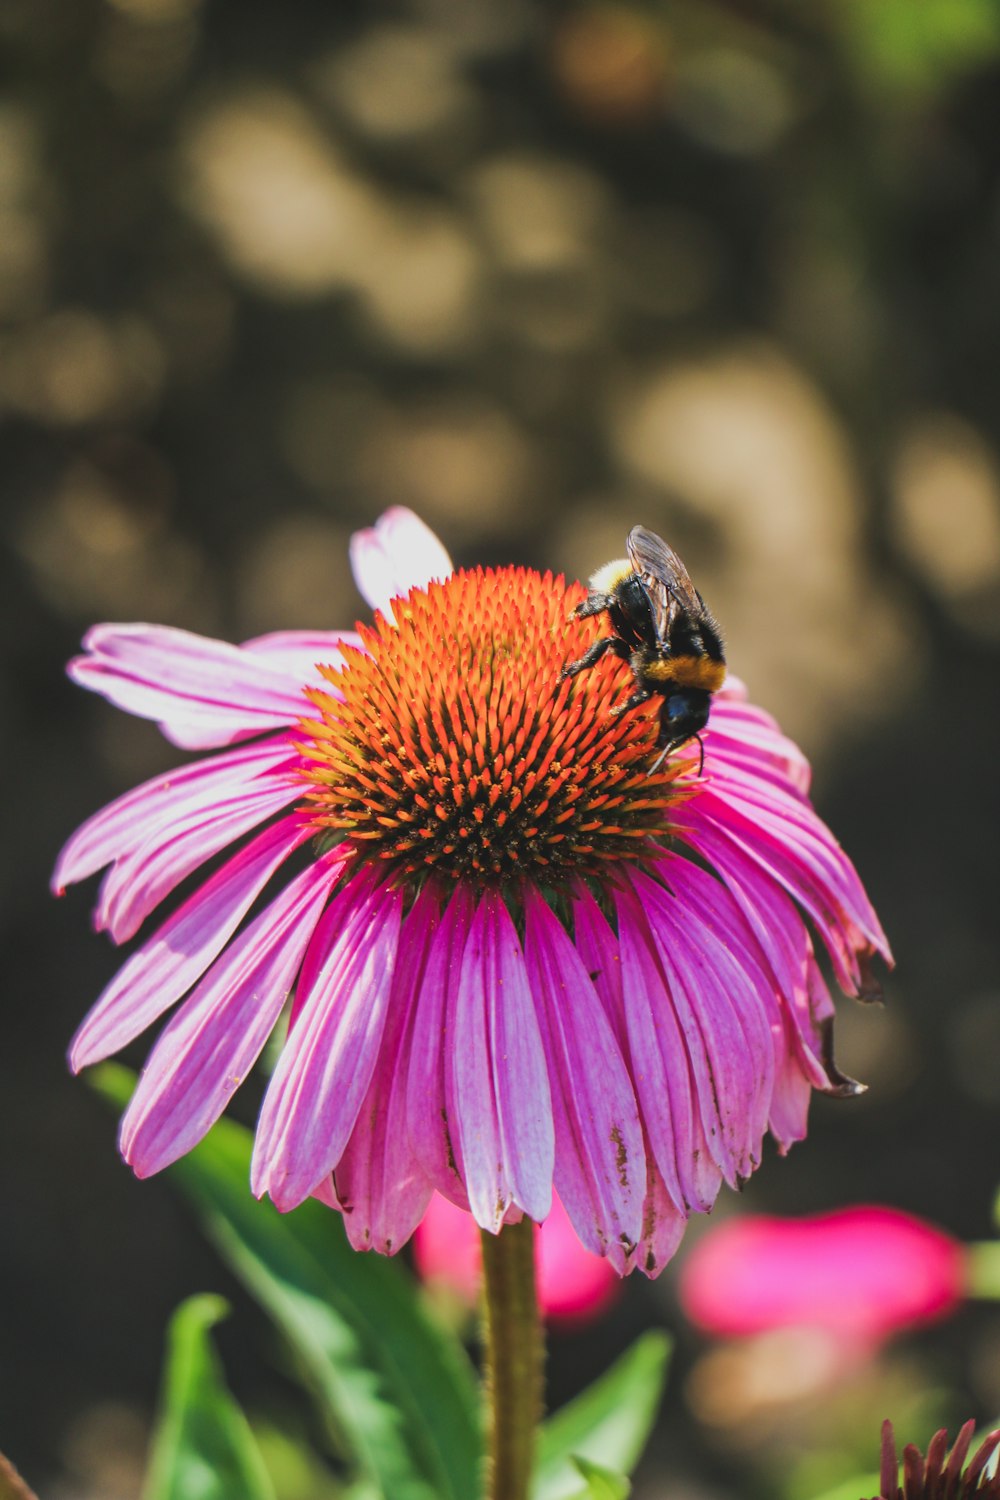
[
  {"x": 701, "y": 757},
  {"x": 658, "y": 762}
]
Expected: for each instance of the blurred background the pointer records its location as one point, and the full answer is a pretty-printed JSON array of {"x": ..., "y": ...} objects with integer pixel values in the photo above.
[{"x": 539, "y": 272}]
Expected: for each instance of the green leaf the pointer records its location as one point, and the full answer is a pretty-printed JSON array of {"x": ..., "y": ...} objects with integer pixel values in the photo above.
[
  {"x": 602, "y": 1484},
  {"x": 608, "y": 1423},
  {"x": 203, "y": 1448},
  {"x": 396, "y": 1388}
]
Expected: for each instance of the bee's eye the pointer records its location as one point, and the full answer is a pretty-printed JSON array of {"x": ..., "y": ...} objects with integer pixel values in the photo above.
[{"x": 677, "y": 708}]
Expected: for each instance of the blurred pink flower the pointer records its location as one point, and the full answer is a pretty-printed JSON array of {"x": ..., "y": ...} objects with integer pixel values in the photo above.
[
  {"x": 860, "y": 1273},
  {"x": 509, "y": 973},
  {"x": 573, "y": 1285}
]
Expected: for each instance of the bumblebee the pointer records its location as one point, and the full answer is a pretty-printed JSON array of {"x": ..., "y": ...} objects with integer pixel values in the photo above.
[{"x": 665, "y": 632}]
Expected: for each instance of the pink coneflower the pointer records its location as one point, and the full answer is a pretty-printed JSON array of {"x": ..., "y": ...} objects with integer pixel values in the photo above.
[
  {"x": 516, "y": 958},
  {"x": 861, "y": 1274},
  {"x": 939, "y": 1476}
]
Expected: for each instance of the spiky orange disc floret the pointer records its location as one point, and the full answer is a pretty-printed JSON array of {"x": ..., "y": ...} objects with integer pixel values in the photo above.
[{"x": 457, "y": 747}]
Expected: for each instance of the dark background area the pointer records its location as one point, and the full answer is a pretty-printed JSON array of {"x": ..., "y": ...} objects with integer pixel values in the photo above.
[{"x": 539, "y": 272}]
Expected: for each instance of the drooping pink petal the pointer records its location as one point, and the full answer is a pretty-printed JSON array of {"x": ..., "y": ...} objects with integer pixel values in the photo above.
[
  {"x": 430, "y": 1124},
  {"x": 298, "y": 654},
  {"x": 137, "y": 882},
  {"x": 379, "y": 1180},
  {"x": 600, "y": 1166},
  {"x": 741, "y": 734},
  {"x": 180, "y": 951},
  {"x": 203, "y": 693},
  {"x": 502, "y": 1103},
  {"x": 329, "y": 1057},
  {"x": 395, "y": 555},
  {"x": 213, "y": 1041},
  {"x": 663, "y": 1224},
  {"x": 597, "y": 946},
  {"x": 784, "y": 940},
  {"x": 660, "y": 1068},
  {"x": 790, "y": 844},
  {"x": 124, "y": 824},
  {"x": 725, "y": 1028}
]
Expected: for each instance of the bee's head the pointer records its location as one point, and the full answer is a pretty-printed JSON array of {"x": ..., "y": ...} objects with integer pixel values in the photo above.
[{"x": 684, "y": 713}]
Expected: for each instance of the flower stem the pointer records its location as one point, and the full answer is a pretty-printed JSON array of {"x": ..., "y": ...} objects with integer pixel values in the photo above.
[{"x": 514, "y": 1352}]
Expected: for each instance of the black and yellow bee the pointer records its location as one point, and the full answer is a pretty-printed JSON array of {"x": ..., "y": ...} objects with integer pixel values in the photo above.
[{"x": 665, "y": 632}]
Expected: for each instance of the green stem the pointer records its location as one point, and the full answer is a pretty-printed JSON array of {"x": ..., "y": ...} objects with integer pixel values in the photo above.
[{"x": 514, "y": 1351}]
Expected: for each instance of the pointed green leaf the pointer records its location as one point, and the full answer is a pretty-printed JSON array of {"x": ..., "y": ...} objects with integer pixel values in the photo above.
[
  {"x": 602, "y": 1484},
  {"x": 608, "y": 1423},
  {"x": 203, "y": 1448},
  {"x": 396, "y": 1388}
]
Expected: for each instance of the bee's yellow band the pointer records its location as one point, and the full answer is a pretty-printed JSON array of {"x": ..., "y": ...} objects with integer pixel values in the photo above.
[{"x": 687, "y": 671}]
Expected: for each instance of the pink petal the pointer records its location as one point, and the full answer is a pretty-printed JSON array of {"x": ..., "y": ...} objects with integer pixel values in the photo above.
[
  {"x": 503, "y": 1109},
  {"x": 725, "y": 1028},
  {"x": 380, "y": 1183},
  {"x": 660, "y": 1068},
  {"x": 327, "y": 1062},
  {"x": 203, "y": 693},
  {"x": 298, "y": 654},
  {"x": 597, "y": 946},
  {"x": 213, "y": 1041},
  {"x": 395, "y": 555},
  {"x": 790, "y": 843},
  {"x": 430, "y": 1124},
  {"x": 127, "y": 822},
  {"x": 139, "y": 881},
  {"x": 741, "y": 734},
  {"x": 600, "y": 1165},
  {"x": 784, "y": 940},
  {"x": 177, "y": 955},
  {"x": 663, "y": 1224}
]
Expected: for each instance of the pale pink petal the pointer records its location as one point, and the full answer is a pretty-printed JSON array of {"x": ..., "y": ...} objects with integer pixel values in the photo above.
[
  {"x": 395, "y": 555},
  {"x": 177, "y": 955},
  {"x": 429, "y": 1121},
  {"x": 600, "y": 1166},
  {"x": 660, "y": 1068},
  {"x": 139, "y": 881},
  {"x": 213, "y": 1041},
  {"x": 203, "y": 693},
  {"x": 503, "y": 1110},
  {"x": 379, "y": 1181},
  {"x": 298, "y": 654},
  {"x": 329, "y": 1057},
  {"x": 127, "y": 822}
]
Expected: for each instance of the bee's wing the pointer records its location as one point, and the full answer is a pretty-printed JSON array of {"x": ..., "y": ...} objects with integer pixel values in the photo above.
[{"x": 664, "y": 577}]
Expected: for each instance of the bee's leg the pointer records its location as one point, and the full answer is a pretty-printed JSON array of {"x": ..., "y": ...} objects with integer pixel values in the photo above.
[
  {"x": 641, "y": 695},
  {"x": 593, "y": 654},
  {"x": 594, "y": 604}
]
